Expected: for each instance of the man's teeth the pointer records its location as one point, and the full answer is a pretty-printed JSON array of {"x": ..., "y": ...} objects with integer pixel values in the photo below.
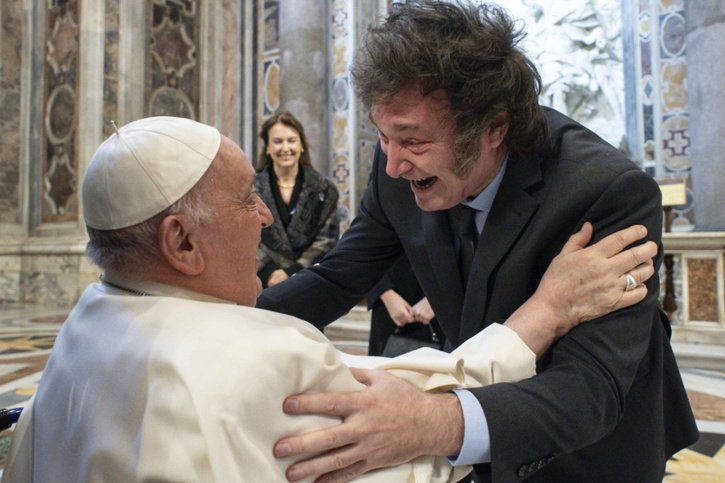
[{"x": 424, "y": 182}]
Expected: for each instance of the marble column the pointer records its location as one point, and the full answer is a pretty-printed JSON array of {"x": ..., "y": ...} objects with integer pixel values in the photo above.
[
  {"x": 132, "y": 39},
  {"x": 303, "y": 62},
  {"x": 706, "y": 85}
]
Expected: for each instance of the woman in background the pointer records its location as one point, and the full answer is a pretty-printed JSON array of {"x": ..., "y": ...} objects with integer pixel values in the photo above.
[{"x": 303, "y": 202}]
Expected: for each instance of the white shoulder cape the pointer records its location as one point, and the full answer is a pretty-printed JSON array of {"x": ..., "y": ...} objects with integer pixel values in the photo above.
[{"x": 168, "y": 389}]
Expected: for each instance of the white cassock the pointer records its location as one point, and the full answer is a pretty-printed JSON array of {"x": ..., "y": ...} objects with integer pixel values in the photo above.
[{"x": 173, "y": 388}]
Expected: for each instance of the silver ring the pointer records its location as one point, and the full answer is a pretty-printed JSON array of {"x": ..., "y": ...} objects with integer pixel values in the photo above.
[{"x": 631, "y": 282}]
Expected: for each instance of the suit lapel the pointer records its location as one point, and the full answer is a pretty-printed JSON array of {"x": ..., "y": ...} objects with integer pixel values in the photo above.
[{"x": 512, "y": 209}]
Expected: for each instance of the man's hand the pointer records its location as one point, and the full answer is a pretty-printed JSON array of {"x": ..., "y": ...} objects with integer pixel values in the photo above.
[
  {"x": 390, "y": 422},
  {"x": 399, "y": 310},
  {"x": 583, "y": 284},
  {"x": 586, "y": 283}
]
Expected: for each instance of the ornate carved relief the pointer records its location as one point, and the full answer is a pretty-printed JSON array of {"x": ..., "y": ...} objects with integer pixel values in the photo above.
[
  {"x": 342, "y": 38},
  {"x": 60, "y": 112},
  {"x": 577, "y": 47},
  {"x": 11, "y": 33},
  {"x": 270, "y": 92},
  {"x": 662, "y": 107},
  {"x": 173, "y": 77},
  {"x": 110, "y": 67},
  {"x": 272, "y": 72}
]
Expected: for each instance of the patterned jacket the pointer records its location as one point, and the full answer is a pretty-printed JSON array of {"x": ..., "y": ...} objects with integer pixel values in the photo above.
[{"x": 312, "y": 231}]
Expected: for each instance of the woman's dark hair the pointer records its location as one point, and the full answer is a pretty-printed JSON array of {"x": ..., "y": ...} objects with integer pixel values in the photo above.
[
  {"x": 288, "y": 120},
  {"x": 469, "y": 52}
]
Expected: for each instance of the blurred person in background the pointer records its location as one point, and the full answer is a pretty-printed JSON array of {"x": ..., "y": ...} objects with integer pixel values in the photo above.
[{"x": 303, "y": 202}]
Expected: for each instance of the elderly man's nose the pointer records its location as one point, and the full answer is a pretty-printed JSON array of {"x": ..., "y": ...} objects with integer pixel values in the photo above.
[{"x": 264, "y": 214}]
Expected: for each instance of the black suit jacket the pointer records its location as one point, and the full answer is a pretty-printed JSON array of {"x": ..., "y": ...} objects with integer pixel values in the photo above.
[
  {"x": 607, "y": 403},
  {"x": 312, "y": 231}
]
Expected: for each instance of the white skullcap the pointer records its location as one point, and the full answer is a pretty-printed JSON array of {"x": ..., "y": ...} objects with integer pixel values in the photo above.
[{"x": 144, "y": 168}]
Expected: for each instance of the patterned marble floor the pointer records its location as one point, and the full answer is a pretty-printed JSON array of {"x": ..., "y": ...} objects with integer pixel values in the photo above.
[{"x": 27, "y": 336}]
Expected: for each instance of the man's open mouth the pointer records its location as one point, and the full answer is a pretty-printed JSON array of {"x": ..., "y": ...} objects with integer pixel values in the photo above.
[{"x": 424, "y": 183}]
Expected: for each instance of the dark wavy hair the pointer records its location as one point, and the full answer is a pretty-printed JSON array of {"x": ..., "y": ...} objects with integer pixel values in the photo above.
[
  {"x": 468, "y": 51},
  {"x": 288, "y": 120}
]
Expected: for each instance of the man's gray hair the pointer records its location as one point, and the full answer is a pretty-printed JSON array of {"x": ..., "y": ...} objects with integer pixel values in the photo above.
[{"x": 137, "y": 246}]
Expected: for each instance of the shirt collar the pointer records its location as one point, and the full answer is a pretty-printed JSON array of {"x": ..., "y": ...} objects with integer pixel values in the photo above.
[
  {"x": 119, "y": 282},
  {"x": 485, "y": 198}
]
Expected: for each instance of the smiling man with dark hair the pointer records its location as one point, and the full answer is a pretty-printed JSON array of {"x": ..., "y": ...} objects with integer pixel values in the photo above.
[{"x": 455, "y": 102}]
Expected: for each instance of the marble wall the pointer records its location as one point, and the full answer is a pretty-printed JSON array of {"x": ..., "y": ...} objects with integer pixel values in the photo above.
[
  {"x": 172, "y": 75},
  {"x": 305, "y": 49},
  {"x": 658, "y": 106},
  {"x": 706, "y": 42},
  {"x": 304, "y": 61},
  {"x": 697, "y": 309},
  {"x": 110, "y": 66},
  {"x": 270, "y": 59},
  {"x": 344, "y": 109},
  {"x": 54, "y": 276},
  {"x": 60, "y": 181},
  {"x": 11, "y": 37},
  {"x": 232, "y": 52},
  {"x": 68, "y": 68}
]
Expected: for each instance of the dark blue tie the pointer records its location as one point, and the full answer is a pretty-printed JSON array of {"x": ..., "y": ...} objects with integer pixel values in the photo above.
[{"x": 464, "y": 226}]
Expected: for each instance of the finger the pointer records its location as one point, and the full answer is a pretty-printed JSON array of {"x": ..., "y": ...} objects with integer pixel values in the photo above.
[
  {"x": 633, "y": 257},
  {"x": 324, "y": 440},
  {"x": 363, "y": 376},
  {"x": 643, "y": 272},
  {"x": 333, "y": 404},
  {"x": 428, "y": 316},
  {"x": 405, "y": 315},
  {"x": 579, "y": 239},
  {"x": 347, "y": 474},
  {"x": 420, "y": 316},
  {"x": 631, "y": 297},
  {"x": 613, "y": 244},
  {"x": 409, "y": 314},
  {"x": 335, "y": 466}
]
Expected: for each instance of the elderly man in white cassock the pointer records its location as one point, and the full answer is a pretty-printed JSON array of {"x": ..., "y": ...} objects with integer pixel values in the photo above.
[{"x": 165, "y": 371}]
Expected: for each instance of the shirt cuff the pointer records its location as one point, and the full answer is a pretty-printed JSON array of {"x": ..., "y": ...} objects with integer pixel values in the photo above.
[{"x": 476, "y": 447}]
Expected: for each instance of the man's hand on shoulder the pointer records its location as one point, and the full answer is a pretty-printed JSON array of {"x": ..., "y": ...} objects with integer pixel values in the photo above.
[
  {"x": 390, "y": 422},
  {"x": 584, "y": 283}
]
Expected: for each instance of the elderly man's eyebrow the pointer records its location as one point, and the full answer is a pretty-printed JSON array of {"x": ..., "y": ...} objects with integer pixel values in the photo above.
[{"x": 250, "y": 196}]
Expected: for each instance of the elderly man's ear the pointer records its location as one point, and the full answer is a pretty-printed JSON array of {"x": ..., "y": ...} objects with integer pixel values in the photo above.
[{"x": 179, "y": 243}]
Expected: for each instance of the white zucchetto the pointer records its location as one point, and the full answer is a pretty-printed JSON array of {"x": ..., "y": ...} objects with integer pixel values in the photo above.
[{"x": 145, "y": 167}]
